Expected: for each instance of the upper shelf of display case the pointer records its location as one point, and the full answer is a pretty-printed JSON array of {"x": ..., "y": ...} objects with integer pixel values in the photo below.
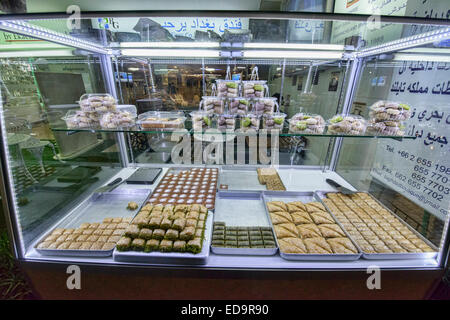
[{"x": 231, "y": 34}]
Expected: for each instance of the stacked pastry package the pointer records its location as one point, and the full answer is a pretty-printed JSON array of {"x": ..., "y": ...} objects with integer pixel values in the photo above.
[
  {"x": 347, "y": 124},
  {"x": 238, "y": 106},
  {"x": 201, "y": 120},
  {"x": 212, "y": 105},
  {"x": 254, "y": 88},
  {"x": 226, "y": 121},
  {"x": 93, "y": 106},
  {"x": 117, "y": 119},
  {"x": 169, "y": 228},
  {"x": 307, "y": 228},
  {"x": 306, "y": 123},
  {"x": 388, "y": 118},
  {"x": 228, "y": 88},
  {"x": 251, "y": 121}
]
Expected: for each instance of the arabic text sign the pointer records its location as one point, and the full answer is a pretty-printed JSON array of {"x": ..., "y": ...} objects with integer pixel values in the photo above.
[
  {"x": 306, "y": 30},
  {"x": 420, "y": 169},
  {"x": 187, "y": 26},
  {"x": 176, "y": 26}
]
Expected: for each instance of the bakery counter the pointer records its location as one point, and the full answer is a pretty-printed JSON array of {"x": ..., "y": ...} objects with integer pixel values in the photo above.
[
  {"x": 294, "y": 179},
  {"x": 239, "y": 262}
]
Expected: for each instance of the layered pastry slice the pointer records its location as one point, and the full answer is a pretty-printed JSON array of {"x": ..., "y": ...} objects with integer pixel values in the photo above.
[
  {"x": 280, "y": 217},
  {"x": 331, "y": 230},
  {"x": 317, "y": 245},
  {"x": 274, "y": 206},
  {"x": 314, "y": 206},
  {"x": 342, "y": 245},
  {"x": 292, "y": 245},
  {"x": 295, "y": 206},
  {"x": 309, "y": 230},
  {"x": 285, "y": 230},
  {"x": 320, "y": 217},
  {"x": 300, "y": 217}
]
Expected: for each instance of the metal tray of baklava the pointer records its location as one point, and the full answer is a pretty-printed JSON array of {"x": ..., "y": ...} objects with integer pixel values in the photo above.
[
  {"x": 171, "y": 258},
  {"x": 243, "y": 209},
  {"x": 393, "y": 256},
  {"x": 94, "y": 209},
  {"x": 305, "y": 197}
]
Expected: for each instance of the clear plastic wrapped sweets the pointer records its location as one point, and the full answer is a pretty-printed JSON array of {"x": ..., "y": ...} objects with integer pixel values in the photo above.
[
  {"x": 253, "y": 88},
  {"x": 117, "y": 119},
  {"x": 388, "y": 110},
  {"x": 201, "y": 120},
  {"x": 163, "y": 120},
  {"x": 265, "y": 105},
  {"x": 228, "y": 88},
  {"x": 81, "y": 119},
  {"x": 250, "y": 121},
  {"x": 98, "y": 102},
  {"x": 347, "y": 124},
  {"x": 239, "y": 106},
  {"x": 386, "y": 128},
  {"x": 212, "y": 105},
  {"x": 273, "y": 121},
  {"x": 307, "y": 123},
  {"x": 226, "y": 122}
]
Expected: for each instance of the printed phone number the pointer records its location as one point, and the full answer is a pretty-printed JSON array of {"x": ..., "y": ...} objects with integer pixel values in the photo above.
[{"x": 431, "y": 179}]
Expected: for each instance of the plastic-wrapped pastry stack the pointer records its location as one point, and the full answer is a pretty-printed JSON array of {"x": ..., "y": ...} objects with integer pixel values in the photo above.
[
  {"x": 226, "y": 122},
  {"x": 93, "y": 106},
  {"x": 201, "y": 120},
  {"x": 306, "y": 123},
  {"x": 228, "y": 88},
  {"x": 254, "y": 88},
  {"x": 265, "y": 105},
  {"x": 239, "y": 106},
  {"x": 117, "y": 119},
  {"x": 212, "y": 105},
  {"x": 274, "y": 121},
  {"x": 387, "y": 118},
  {"x": 347, "y": 124},
  {"x": 250, "y": 121},
  {"x": 81, "y": 119},
  {"x": 95, "y": 102}
]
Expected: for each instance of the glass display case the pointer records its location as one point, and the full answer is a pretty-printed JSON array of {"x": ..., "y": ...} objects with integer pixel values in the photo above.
[{"x": 286, "y": 141}]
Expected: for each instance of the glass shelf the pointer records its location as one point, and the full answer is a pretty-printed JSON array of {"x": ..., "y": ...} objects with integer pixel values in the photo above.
[{"x": 284, "y": 133}]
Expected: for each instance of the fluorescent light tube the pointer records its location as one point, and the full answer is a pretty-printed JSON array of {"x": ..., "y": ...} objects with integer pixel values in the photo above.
[
  {"x": 170, "y": 44},
  {"x": 171, "y": 53},
  {"x": 421, "y": 57},
  {"x": 39, "y": 53},
  {"x": 292, "y": 54},
  {"x": 298, "y": 46}
]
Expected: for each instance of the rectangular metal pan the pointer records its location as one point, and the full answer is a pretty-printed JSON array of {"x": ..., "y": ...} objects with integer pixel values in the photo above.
[
  {"x": 305, "y": 197},
  {"x": 157, "y": 257},
  {"x": 243, "y": 209},
  {"x": 95, "y": 209},
  {"x": 239, "y": 178},
  {"x": 392, "y": 256}
]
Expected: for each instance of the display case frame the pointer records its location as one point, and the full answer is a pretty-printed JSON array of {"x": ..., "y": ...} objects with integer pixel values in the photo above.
[{"x": 108, "y": 55}]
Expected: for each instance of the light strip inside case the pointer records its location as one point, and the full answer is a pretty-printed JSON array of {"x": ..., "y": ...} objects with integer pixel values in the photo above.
[
  {"x": 298, "y": 46},
  {"x": 293, "y": 54},
  {"x": 171, "y": 53},
  {"x": 29, "y": 30},
  {"x": 405, "y": 43},
  {"x": 37, "y": 53},
  {"x": 169, "y": 44}
]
